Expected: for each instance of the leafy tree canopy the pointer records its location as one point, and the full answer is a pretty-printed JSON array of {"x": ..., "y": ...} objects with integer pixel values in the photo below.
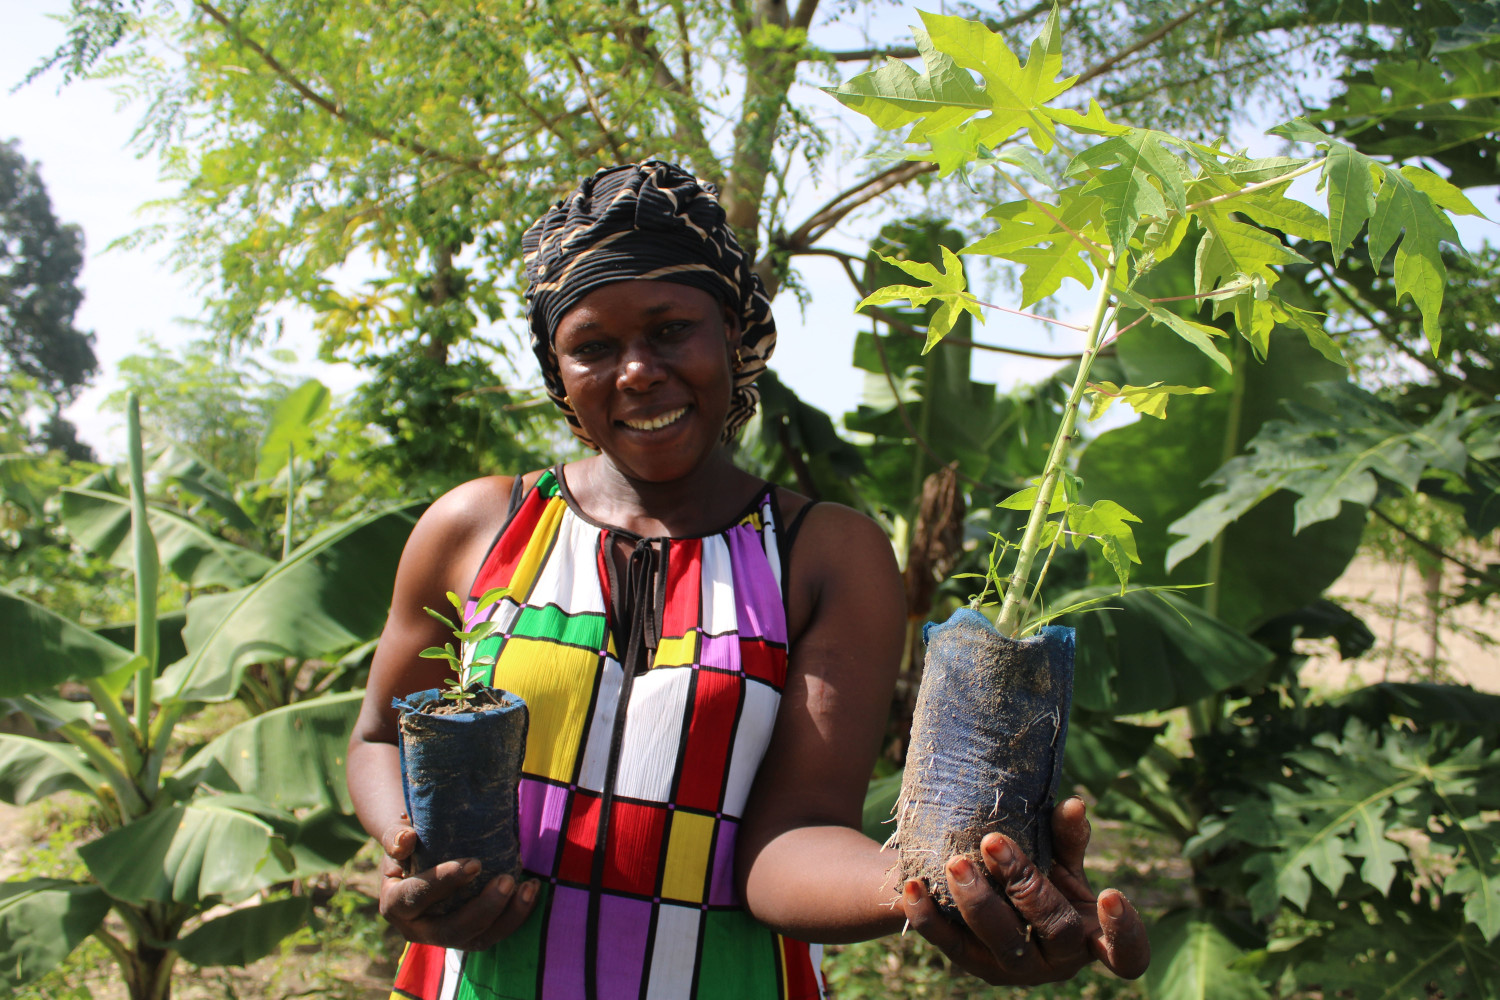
[{"x": 40, "y": 258}]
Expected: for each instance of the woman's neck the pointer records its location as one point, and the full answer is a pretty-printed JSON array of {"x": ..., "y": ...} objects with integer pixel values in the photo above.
[{"x": 696, "y": 504}]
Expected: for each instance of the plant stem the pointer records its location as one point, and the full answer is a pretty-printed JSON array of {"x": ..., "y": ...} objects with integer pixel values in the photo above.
[
  {"x": 146, "y": 572},
  {"x": 93, "y": 748},
  {"x": 1012, "y": 610},
  {"x": 1306, "y": 168},
  {"x": 126, "y": 737}
]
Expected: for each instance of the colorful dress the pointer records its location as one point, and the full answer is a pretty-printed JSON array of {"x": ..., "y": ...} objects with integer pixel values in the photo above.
[{"x": 652, "y": 695}]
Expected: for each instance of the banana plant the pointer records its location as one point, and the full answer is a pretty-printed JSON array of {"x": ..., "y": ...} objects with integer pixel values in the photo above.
[{"x": 197, "y": 859}]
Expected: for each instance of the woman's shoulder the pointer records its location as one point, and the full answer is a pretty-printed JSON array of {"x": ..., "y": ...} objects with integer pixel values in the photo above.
[{"x": 477, "y": 507}]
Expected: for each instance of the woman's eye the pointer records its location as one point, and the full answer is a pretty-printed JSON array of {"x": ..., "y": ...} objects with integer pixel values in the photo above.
[{"x": 589, "y": 349}]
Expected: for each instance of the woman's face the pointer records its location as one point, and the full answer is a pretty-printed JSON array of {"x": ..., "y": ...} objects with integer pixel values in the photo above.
[{"x": 646, "y": 365}]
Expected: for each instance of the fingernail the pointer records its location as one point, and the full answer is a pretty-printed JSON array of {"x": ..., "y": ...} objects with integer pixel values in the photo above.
[
  {"x": 960, "y": 870},
  {"x": 912, "y": 892},
  {"x": 471, "y": 867},
  {"x": 505, "y": 885},
  {"x": 528, "y": 892},
  {"x": 1113, "y": 904},
  {"x": 1002, "y": 854}
]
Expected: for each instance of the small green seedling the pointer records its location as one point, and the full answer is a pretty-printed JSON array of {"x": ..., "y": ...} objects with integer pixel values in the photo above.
[{"x": 454, "y": 690}]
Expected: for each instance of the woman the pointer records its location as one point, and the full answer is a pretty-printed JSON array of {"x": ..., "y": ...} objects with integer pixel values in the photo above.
[{"x": 708, "y": 660}]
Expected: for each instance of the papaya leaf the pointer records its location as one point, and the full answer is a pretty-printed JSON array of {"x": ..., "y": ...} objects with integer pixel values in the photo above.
[
  {"x": 1404, "y": 212},
  {"x": 1194, "y": 955},
  {"x": 1091, "y": 122},
  {"x": 1476, "y": 872},
  {"x": 1147, "y": 400},
  {"x": 1198, "y": 334},
  {"x": 1271, "y": 207},
  {"x": 1015, "y": 93},
  {"x": 1443, "y": 194},
  {"x": 244, "y": 935},
  {"x": 1438, "y": 950},
  {"x": 41, "y": 922},
  {"x": 1045, "y": 268},
  {"x": 1348, "y": 176},
  {"x": 1328, "y": 455},
  {"x": 1136, "y": 177},
  {"x": 947, "y": 287},
  {"x": 951, "y": 149},
  {"x": 32, "y": 769},
  {"x": 1230, "y": 249},
  {"x": 894, "y": 95}
]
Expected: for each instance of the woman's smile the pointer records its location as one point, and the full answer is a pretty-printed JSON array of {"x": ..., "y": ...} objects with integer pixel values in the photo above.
[{"x": 656, "y": 423}]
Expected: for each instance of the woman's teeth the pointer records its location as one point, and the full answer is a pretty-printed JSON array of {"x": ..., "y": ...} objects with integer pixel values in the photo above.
[{"x": 655, "y": 422}]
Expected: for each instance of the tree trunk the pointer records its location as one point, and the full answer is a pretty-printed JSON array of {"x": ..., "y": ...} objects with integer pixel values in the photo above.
[
  {"x": 149, "y": 975},
  {"x": 769, "y": 72},
  {"x": 1432, "y": 587}
]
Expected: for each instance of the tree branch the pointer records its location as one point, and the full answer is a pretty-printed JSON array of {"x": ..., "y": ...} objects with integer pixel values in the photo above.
[
  {"x": 688, "y": 125},
  {"x": 836, "y": 208},
  {"x": 336, "y": 110},
  {"x": 1104, "y": 66},
  {"x": 910, "y": 52},
  {"x": 1436, "y": 550}
]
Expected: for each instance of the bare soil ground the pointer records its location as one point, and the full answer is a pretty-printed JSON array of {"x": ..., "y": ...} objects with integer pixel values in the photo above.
[{"x": 1390, "y": 600}]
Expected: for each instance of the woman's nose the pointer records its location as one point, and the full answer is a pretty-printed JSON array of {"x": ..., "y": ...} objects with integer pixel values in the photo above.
[{"x": 641, "y": 369}]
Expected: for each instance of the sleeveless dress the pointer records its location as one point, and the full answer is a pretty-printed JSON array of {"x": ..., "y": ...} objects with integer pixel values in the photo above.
[{"x": 652, "y": 696}]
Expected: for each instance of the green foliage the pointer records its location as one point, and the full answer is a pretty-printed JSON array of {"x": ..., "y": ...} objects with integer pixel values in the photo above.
[
  {"x": 260, "y": 805},
  {"x": 1328, "y": 454},
  {"x": 39, "y": 263},
  {"x": 1148, "y": 189},
  {"x": 1194, "y": 956}
]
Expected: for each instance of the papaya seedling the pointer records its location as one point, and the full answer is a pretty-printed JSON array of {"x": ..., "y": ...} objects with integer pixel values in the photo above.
[
  {"x": 461, "y": 748},
  {"x": 1101, "y": 204}
]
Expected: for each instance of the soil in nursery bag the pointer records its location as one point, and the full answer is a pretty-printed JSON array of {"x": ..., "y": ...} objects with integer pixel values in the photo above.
[
  {"x": 986, "y": 746},
  {"x": 460, "y": 771}
]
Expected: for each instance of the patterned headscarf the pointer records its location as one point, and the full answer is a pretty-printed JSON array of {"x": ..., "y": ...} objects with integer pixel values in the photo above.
[{"x": 650, "y": 220}]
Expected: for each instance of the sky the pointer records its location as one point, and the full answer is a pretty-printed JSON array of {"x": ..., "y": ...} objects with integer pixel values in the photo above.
[{"x": 79, "y": 135}]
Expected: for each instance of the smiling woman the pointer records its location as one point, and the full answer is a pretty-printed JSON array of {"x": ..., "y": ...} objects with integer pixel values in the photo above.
[{"x": 708, "y": 660}]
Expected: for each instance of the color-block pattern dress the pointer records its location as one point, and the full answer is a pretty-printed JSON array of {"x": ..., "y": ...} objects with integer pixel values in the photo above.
[{"x": 652, "y": 697}]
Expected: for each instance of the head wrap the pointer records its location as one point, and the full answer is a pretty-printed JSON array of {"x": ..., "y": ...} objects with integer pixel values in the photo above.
[{"x": 650, "y": 220}]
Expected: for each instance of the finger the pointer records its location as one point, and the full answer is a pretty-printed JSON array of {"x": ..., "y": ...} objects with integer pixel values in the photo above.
[
  {"x": 1071, "y": 832},
  {"x": 1122, "y": 944},
  {"x": 518, "y": 906},
  {"x": 399, "y": 839},
  {"x": 408, "y": 898},
  {"x": 924, "y": 917},
  {"x": 1059, "y": 932},
  {"x": 989, "y": 915}
]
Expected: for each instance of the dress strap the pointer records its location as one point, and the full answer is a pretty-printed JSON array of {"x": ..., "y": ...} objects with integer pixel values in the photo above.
[{"x": 796, "y": 525}]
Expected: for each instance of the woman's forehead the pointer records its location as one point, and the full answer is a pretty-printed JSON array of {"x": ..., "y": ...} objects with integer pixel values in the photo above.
[{"x": 639, "y": 297}]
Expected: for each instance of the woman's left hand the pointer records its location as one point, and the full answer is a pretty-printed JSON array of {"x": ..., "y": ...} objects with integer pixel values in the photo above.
[{"x": 1041, "y": 929}]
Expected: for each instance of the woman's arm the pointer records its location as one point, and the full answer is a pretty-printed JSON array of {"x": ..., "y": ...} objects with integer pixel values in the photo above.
[
  {"x": 806, "y": 868},
  {"x": 442, "y": 555}
]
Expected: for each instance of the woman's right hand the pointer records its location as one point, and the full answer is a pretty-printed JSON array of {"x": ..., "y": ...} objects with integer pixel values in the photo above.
[{"x": 495, "y": 914}]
